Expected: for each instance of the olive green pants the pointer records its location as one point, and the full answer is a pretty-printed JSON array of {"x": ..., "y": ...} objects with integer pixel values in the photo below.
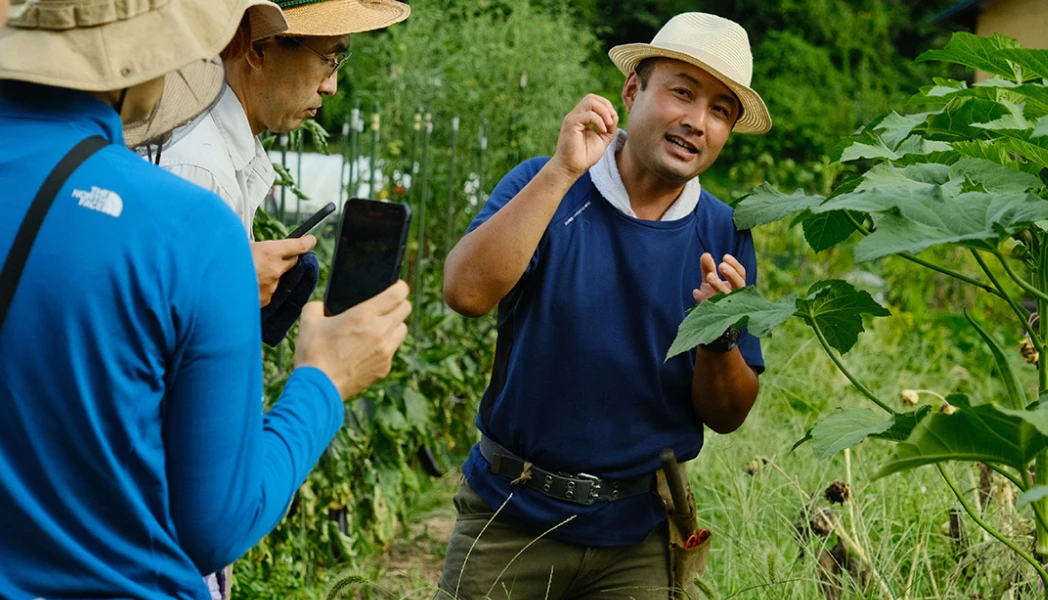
[{"x": 548, "y": 569}]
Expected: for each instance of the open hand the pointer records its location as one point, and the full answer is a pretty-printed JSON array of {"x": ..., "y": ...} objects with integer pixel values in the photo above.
[{"x": 712, "y": 284}]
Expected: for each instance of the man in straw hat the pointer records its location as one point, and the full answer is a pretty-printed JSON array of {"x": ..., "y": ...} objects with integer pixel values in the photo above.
[
  {"x": 594, "y": 257},
  {"x": 274, "y": 83},
  {"x": 133, "y": 452}
]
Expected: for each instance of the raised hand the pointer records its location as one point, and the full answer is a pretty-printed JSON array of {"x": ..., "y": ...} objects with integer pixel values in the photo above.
[
  {"x": 585, "y": 134},
  {"x": 712, "y": 284}
]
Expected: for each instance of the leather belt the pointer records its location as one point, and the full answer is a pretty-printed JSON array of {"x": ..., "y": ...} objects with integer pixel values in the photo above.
[{"x": 580, "y": 488}]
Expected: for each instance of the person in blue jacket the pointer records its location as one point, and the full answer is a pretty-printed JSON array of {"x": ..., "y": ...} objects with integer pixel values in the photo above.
[
  {"x": 134, "y": 454},
  {"x": 594, "y": 257}
]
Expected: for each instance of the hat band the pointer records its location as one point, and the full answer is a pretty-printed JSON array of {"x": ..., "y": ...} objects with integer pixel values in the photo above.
[
  {"x": 61, "y": 16},
  {"x": 294, "y": 3}
]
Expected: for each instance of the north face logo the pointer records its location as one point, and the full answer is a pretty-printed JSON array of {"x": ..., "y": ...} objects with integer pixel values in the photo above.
[{"x": 104, "y": 201}]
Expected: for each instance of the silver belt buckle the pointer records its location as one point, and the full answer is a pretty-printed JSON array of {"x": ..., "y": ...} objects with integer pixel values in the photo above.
[{"x": 594, "y": 484}]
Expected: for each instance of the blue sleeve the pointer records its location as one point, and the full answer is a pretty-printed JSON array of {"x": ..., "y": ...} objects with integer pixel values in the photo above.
[
  {"x": 507, "y": 189},
  {"x": 749, "y": 345},
  {"x": 231, "y": 472}
]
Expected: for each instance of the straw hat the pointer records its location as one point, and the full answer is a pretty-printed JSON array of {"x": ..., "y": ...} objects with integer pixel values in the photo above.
[
  {"x": 340, "y": 17},
  {"x": 103, "y": 45},
  {"x": 714, "y": 44}
]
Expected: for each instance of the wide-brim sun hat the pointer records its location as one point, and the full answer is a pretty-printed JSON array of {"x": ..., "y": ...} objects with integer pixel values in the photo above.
[
  {"x": 715, "y": 44},
  {"x": 341, "y": 17},
  {"x": 105, "y": 45}
]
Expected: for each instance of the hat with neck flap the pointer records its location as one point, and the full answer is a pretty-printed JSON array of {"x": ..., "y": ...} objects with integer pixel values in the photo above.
[{"x": 106, "y": 45}]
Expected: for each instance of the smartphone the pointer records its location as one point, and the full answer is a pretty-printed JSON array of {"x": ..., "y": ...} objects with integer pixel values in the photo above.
[
  {"x": 312, "y": 221},
  {"x": 369, "y": 250}
]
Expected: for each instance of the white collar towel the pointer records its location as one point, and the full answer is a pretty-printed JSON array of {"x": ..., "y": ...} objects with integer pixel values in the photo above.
[{"x": 605, "y": 175}]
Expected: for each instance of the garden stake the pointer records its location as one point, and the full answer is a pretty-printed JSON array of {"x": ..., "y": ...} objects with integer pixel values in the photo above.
[
  {"x": 298, "y": 177},
  {"x": 376, "y": 124},
  {"x": 420, "y": 236},
  {"x": 451, "y": 187},
  {"x": 343, "y": 177},
  {"x": 283, "y": 163}
]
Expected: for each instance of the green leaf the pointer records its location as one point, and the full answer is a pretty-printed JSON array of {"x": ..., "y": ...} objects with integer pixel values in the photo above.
[
  {"x": 1014, "y": 387},
  {"x": 994, "y": 177},
  {"x": 766, "y": 204},
  {"x": 846, "y": 429},
  {"x": 976, "y": 219},
  {"x": 837, "y": 308},
  {"x": 1033, "y": 149},
  {"x": 956, "y": 119},
  {"x": 870, "y": 147},
  {"x": 1032, "y": 495},
  {"x": 1041, "y": 129},
  {"x": 904, "y": 423},
  {"x": 893, "y": 128},
  {"x": 1032, "y": 62},
  {"x": 1033, "y": 97},
  {"x": 825, "y": 230},
  {"x": 983, "y": 433},
  {"x": 1014, "y": 120},
  {"x": 416, "y": 408},
  {"x": 885, "y": 187},
  {"x": 976, "y": 52},
  {"x": 708, "y": 320}
]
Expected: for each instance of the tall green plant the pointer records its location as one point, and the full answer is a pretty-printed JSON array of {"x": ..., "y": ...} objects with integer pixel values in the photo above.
[{"x": 970, "y": 171}]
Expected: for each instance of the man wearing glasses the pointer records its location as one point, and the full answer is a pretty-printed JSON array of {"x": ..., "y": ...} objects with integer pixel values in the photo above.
[{"x": 272, "y": 84}]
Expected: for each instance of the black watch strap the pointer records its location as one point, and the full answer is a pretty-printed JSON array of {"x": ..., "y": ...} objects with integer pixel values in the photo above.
[{"x": 725, "y": 343}]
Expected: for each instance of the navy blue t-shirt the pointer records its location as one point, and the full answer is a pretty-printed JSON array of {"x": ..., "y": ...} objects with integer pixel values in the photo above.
[{"x": 580, "y": 382}]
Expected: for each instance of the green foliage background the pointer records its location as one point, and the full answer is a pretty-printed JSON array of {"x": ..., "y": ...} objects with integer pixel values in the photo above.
[{"x": 515, "y": 67}]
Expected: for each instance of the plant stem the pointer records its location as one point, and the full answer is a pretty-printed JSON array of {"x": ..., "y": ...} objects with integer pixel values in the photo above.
[
  {"x": 1020, "y": 312},
  {"x": 978, "y": 521},
  {"x": 840, "y": 365},
  {"x": 1041, "y": 474},
  {"x": 1038, "y": 507},
  {"x": 934, "y": 267},
  {"x": 1036, "y": 293}
]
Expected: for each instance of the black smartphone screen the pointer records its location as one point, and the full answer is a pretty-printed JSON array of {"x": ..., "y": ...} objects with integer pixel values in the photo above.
[{"x": 368, "y": 253}]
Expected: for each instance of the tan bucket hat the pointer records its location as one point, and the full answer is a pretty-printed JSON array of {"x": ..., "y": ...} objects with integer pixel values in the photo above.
[
  {"x": 340, "y": 17},
  {"x": 102, "y": 45},
  {"x": 714, "y": 44}
]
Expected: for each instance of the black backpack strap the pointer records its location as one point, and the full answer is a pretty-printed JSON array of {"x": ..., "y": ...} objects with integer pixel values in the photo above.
[{"x": 34, "y": 217}]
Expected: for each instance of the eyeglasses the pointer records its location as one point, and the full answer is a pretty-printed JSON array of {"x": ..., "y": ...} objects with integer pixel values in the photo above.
[{"x": 336, "y": 62}]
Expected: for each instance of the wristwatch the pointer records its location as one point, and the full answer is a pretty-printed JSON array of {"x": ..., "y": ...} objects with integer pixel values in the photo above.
[{"x": 728, "y": 340}]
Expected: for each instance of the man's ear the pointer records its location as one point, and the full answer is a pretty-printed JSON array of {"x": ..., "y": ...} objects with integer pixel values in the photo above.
[
  {"x": 629, "y": 90},
  {"x": 256, "y": 53}
]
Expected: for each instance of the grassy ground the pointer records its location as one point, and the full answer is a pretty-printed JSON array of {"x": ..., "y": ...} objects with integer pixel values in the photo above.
[{"x": 751, "y": 489}]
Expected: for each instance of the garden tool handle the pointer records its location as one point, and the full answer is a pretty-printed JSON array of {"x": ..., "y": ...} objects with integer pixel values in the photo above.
[{"x": 675, "y": 481}]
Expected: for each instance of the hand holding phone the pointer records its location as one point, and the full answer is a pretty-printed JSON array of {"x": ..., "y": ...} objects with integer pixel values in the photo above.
[{"x": 368, "y": 252}]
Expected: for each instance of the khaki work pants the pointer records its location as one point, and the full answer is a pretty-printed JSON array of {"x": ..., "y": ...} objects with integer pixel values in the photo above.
[{"x": 548, "y": 569}]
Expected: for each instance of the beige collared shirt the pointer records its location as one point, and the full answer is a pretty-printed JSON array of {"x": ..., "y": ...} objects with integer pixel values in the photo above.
[{"x": 217, "y": 151}]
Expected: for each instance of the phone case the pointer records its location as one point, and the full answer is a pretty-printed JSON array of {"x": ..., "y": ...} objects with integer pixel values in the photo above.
[{"x": 350, "y": 205}]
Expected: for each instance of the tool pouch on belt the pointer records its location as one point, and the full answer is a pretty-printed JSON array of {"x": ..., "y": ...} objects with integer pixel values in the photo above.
[{"x": 685, "y": 563}]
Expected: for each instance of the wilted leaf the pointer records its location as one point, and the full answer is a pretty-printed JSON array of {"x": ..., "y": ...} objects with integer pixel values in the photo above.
[
  {"x": 765, "y": 204},
  {"x": 837, "y": 308},
  {"x": 707, "y": 321},
  {"x": 846, "y": 429},
  {"x": 976, "y": 52},
  {"x": 967, "y": 218},
  {"x": 983, "y": 433}
]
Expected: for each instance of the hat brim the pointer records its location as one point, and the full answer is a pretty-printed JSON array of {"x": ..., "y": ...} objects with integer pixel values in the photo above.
[
  {"x": 755, "y": 117},
  {"x": 343, "y": 17},
  {"x": 267, "y": 19},
  {"x": 189, "y": 91},
  {"x": 120, "y": 53}
]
